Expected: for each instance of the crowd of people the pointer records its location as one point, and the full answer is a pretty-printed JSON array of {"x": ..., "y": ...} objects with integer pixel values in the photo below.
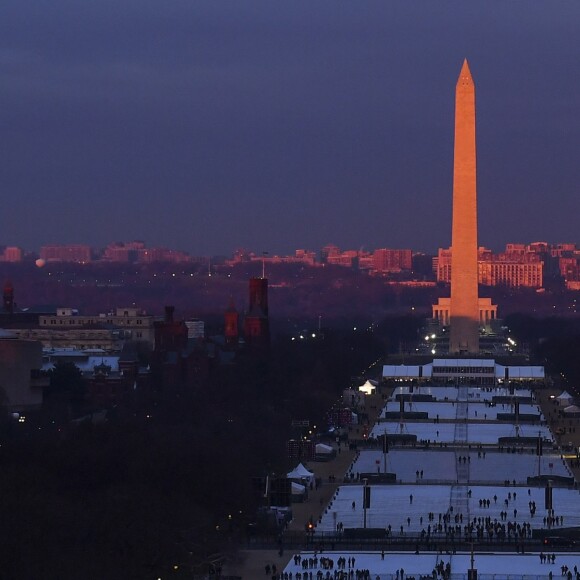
[{"x": 462, "y": 521}]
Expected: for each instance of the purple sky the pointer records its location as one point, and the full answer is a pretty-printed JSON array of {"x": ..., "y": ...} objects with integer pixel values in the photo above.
[{"x": 211, "y": 125}]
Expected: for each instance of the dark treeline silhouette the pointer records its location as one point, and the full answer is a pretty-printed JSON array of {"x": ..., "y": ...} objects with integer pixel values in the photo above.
[
  {"x": 166, "y": 481},
  {"x": 296, "y": 290}
]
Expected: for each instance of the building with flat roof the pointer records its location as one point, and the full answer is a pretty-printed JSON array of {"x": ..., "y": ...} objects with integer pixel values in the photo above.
[
  {"x": 108, "y": 331},
  {"x": 21, "y": 383},
  {"x": 79, "y": 253},
  {"x": 477, "y": 371}
]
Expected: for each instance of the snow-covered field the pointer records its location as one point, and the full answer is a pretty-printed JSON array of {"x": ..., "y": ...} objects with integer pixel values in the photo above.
[
  {"x": 452, "y": 393},
  {"x": 478, "y": 411},
  {"x": 474, "y": 433},
  {"x": 405, "y": 505},
  {"x": 500, "y": 566},
  {"x": 441, "y": 465}
]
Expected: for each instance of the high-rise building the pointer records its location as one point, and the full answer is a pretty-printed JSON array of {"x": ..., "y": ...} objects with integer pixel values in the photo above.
[
  {"x": 68, "y": 253},
  {"x": 517, "y": 267},
  {"x": 388, "y": 260},
  {"x": 11, "y": 254}
]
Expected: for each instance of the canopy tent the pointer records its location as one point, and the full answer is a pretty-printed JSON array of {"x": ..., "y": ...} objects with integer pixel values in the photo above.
[
  {"x": 368, "y": 388},
  {"x": 572, "y": 410},
  {"x": 300, "y": 472},
  {"x": 564, "y": 398}
]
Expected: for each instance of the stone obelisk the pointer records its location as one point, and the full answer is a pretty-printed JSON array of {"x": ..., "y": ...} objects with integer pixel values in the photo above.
[{"x": 464, "y": 305}]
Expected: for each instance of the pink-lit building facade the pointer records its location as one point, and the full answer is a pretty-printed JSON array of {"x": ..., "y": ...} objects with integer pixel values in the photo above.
[
  {"x": 517, "y": 267},
  {"x": 79, "y": 253}
]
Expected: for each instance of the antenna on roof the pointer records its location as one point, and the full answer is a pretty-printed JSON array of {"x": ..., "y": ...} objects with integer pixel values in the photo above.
[{"x": 264, "y": 254}]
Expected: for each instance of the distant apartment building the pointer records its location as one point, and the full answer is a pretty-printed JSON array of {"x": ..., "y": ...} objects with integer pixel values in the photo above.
[
  {"x": 366, "y": 262},
  {"x": 562, "y": 250},
  {"x": 333, "y": 255},
  {"x": 517, "y": 267},
  {"x": 348, "y": 259},
  {"x": 511, "y": 273},
  {"x": 151, "y": 255},
  {"x": 569, "y": 267},
  {"x": 123, "y": 252},
  {"x": 388, "y": 260},
  {"x": 137, "y": 252},
  {"x": 305, "y": 256},
  {"x": 109, "y": 332},
  {"x": 11, "y": 254},
  {"x": 77, "y": 253},
  {"x": 329, "y": 251},
  {"x": 560, "y": 260},
  {"x": 299, "y": 257}
]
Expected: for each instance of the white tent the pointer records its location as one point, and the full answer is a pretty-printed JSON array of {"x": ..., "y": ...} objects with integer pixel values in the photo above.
[
  {"x": 564, "y": 399},
  {"x": 300, "y": 472},
  {"x": 572, "y": 410},
  {"x": 368, "y": 388}
]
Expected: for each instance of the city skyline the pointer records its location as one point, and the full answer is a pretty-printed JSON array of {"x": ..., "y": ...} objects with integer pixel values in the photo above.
[
  {"x": 212, "y": 126},
  {"x": 361, "y": 250}
]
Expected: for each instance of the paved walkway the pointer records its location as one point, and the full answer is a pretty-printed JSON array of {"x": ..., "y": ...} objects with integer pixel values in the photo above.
[{"x": 251, "y": 564}]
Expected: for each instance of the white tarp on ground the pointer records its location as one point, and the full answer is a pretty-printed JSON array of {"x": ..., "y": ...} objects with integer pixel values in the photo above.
[
  {"x": 322, "y": 448},
  {"x": 300, "y": 472},
  {"x": 443, "y": 465},
  {"x": 409, "y": 506},
  {"x": 445, "y": 410},
  {"x": 481, "y": 433},
  {"x": 298, "y": 489}
]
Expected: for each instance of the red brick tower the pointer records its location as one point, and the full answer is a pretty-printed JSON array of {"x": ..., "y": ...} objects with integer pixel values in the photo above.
[
  {"x": 259, "y": 295},
  {"x": 8, "y": 297},
  {"x": 256, "y": 323}
]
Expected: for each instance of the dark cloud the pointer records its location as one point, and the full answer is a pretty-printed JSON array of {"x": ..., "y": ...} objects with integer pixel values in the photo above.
[{"x": 212, "y": 125}]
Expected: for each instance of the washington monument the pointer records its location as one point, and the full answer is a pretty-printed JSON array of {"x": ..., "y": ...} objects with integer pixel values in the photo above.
[{"x": 464, "y": 306}]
